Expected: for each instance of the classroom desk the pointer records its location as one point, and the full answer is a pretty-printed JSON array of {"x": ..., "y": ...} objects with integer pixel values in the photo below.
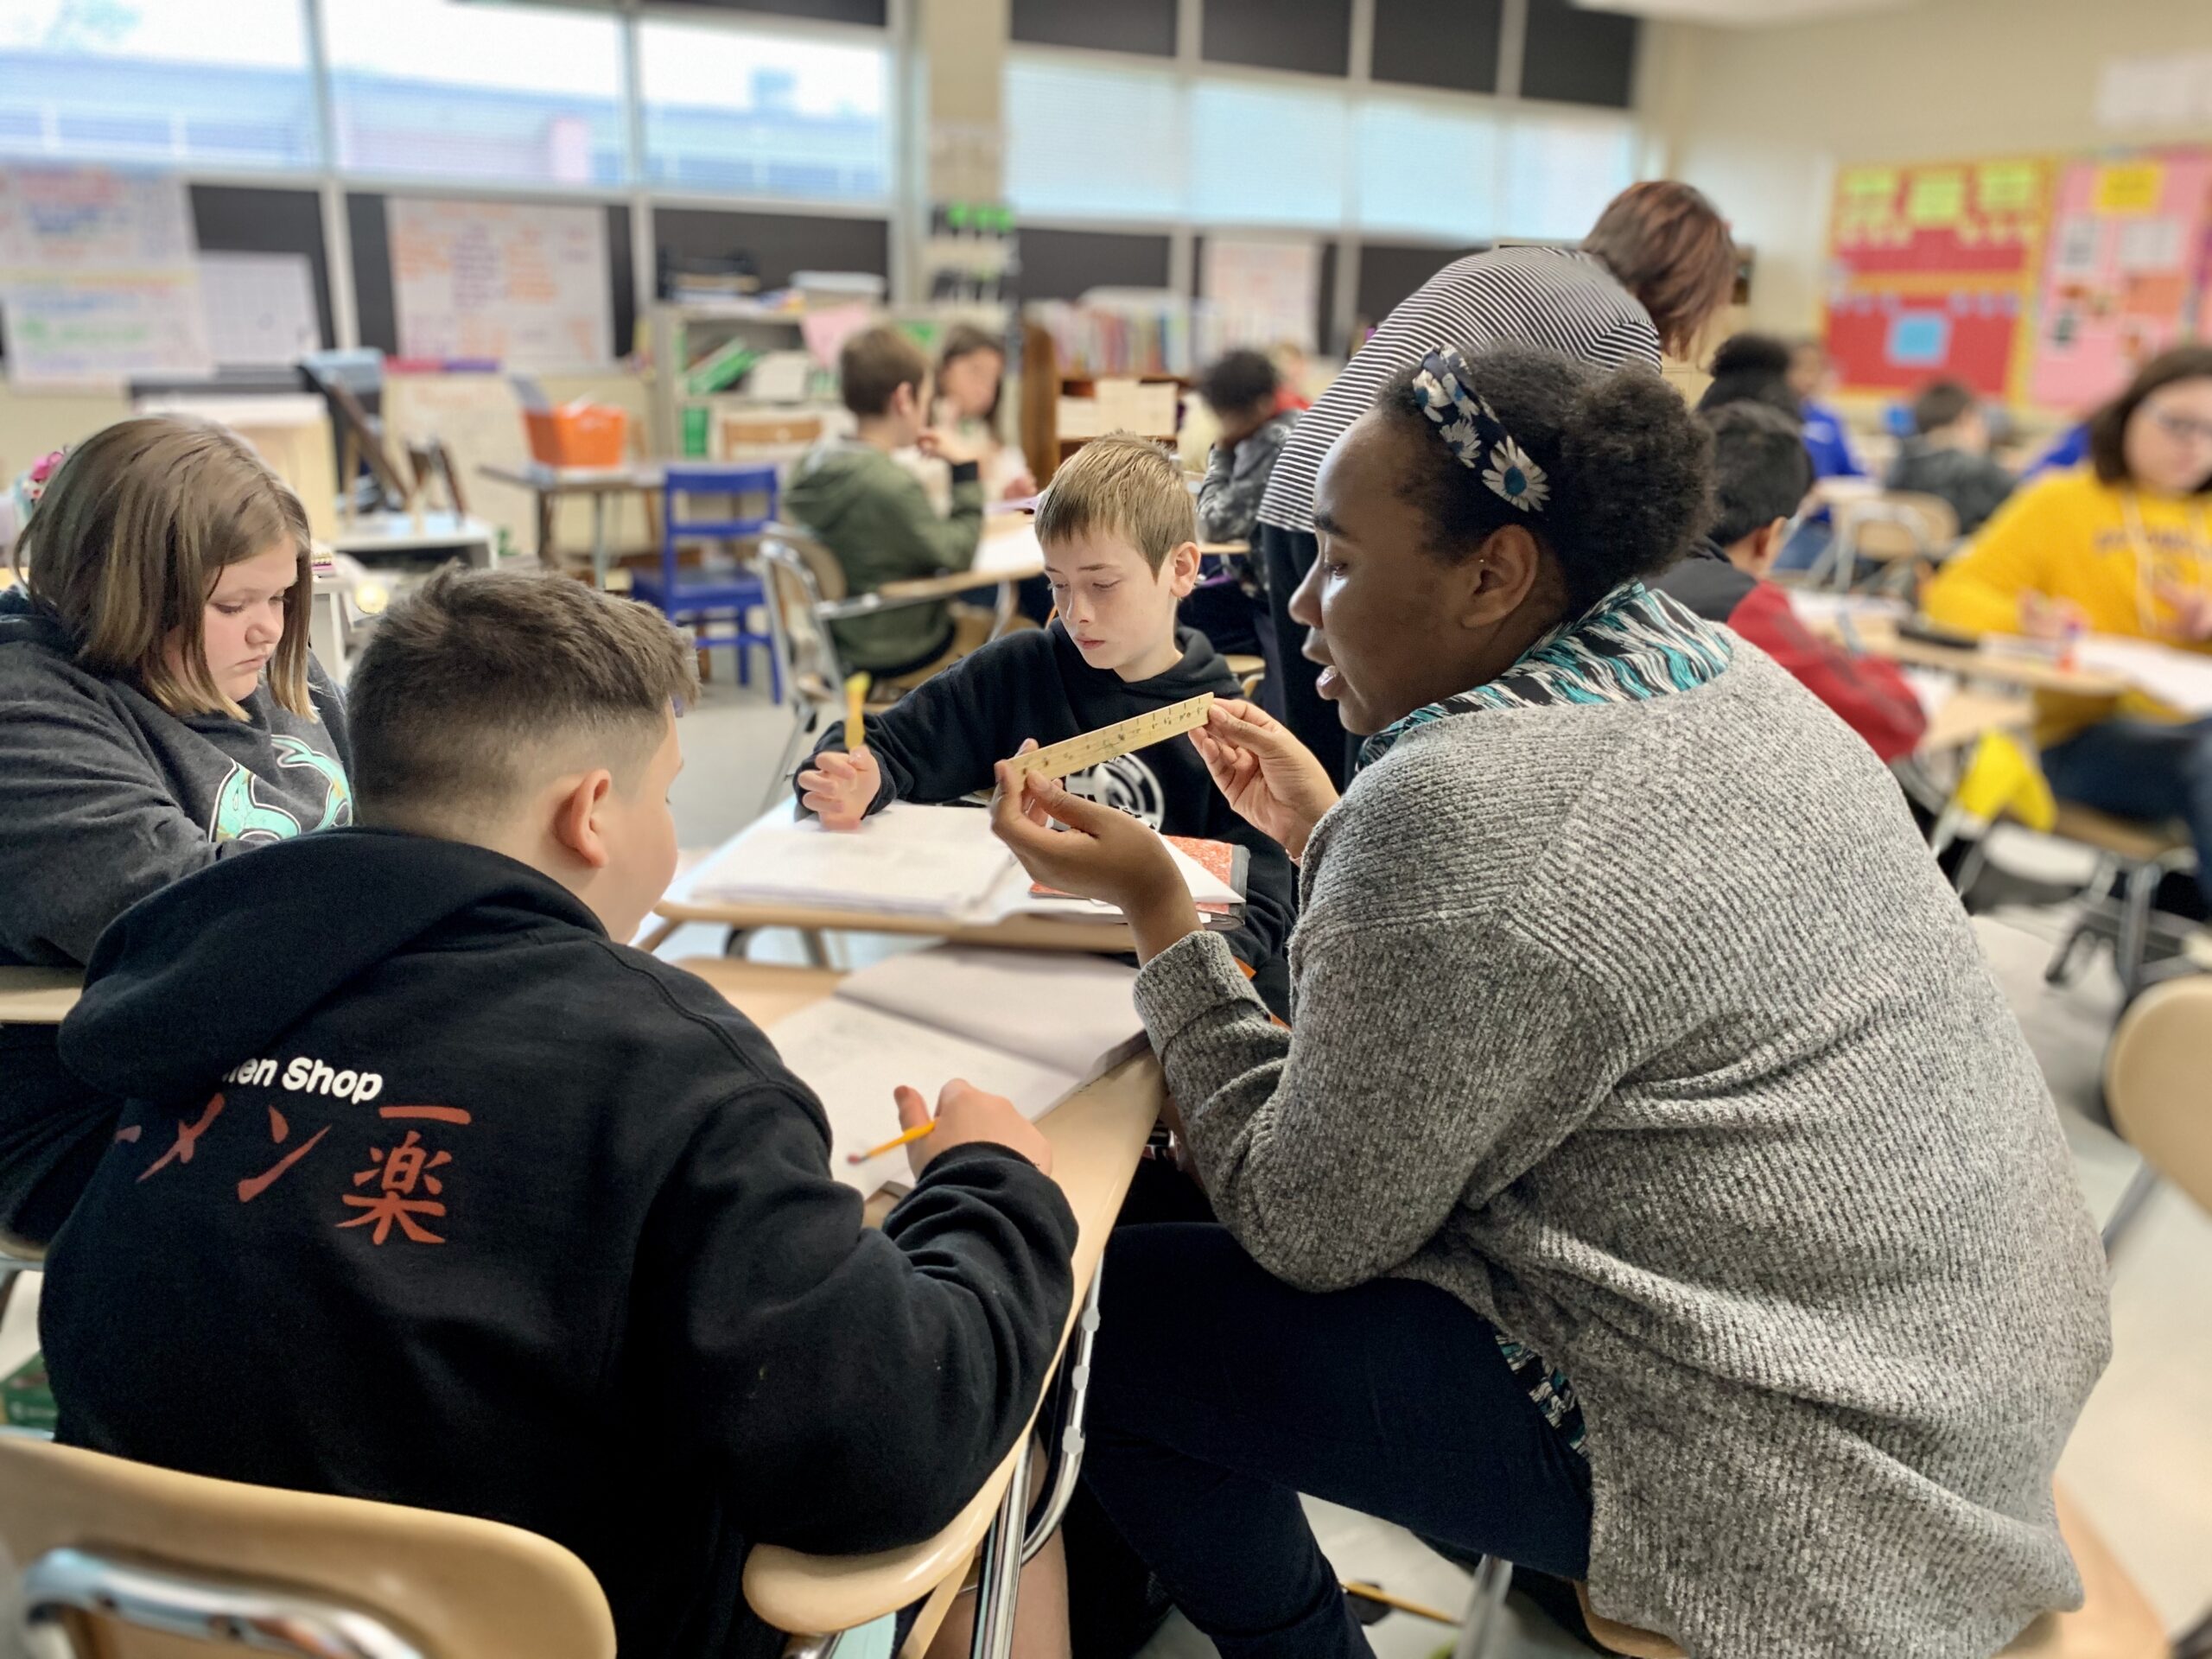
[
  {"x": 1008, "y": 554},
  {"x": 1877, "y": 636},
  {"x": 375, "y": 536},
  {"x": 1968, "y": 717},
  {"x": 1097, "y": 1135},
  {"x": 1013, "y": 932},
  {"x": 38, "y": 996},
  {"x": 547, "y": 485}
]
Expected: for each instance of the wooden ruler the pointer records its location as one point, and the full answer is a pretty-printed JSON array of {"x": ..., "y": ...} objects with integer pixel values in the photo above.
[{"x": 1139, "y": 732}]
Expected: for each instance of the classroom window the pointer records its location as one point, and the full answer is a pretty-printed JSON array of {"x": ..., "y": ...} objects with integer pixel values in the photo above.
[
  {"x": 733, "y": 112},
  {"x": 444, "y": 88},
  {"x": 214, "y": 83},
  {"x": 1427, "y": 169},
  {"x": 1089, "y": 143},
  {"x": 1268, "y": 153},
  {"x": 1560, "y": 172}
]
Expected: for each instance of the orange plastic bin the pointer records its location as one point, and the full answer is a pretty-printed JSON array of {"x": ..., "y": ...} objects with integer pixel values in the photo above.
[{"x": 581, "y": 435}]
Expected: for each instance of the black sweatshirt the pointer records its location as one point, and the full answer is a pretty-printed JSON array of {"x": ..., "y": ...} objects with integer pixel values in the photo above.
[
  {"x": 941, "y": 740},
  {"x": 430, "y": 1192}
]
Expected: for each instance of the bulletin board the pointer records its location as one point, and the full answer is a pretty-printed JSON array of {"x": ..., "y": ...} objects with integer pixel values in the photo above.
[
  {"x": 1931, "y": 269},
  {"x": 521, "y": 286},
  {"x": 97, "y": 278},
  {"x": 2122, "y": 278}
]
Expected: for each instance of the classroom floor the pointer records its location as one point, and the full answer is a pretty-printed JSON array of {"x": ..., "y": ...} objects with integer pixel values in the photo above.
[{"x": 2140, "y": 1462}]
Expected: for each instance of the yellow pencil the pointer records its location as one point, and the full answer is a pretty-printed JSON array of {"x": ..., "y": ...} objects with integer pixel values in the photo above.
[
  {"x": 907, "y": 1139},
  {"x": 1383, "y": 1598},
  {"x": 856, "y": 700}
]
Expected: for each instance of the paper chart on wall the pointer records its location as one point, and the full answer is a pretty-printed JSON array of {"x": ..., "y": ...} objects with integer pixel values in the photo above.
[
  {"x": 260, "y": 307},
  {"x": 98, "y": 284},
  {"x": 524, "y": 286},
  {"x": 1262, "y": 290},
  {"x": 2116, "y": 288}
]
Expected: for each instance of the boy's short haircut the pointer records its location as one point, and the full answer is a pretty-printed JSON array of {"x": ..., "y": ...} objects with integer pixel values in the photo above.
[
  {"x": 1126, "y": 485},
  {"x": 1940, "y": 403},
  {"x": 475, "y": 675},
  {"x": 1760, "y": 470},
  {"x": 1237, "y": 380},
  {"x": 874, "y": 363}
]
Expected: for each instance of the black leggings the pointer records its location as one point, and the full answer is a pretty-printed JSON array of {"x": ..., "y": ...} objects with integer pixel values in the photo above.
[{"x": 1220, "y": 1394}]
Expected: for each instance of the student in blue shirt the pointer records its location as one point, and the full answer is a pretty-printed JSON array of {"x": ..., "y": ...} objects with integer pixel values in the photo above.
[{"x": 1812, "y": 375}]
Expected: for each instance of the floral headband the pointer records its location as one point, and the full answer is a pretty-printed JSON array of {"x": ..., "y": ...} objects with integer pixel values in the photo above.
[{"x": 1465, "y": 421}]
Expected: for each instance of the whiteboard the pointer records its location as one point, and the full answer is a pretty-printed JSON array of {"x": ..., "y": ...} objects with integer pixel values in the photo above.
[
  {"x": 522, "y": 285},
  {"x": 97, "y": 279}
]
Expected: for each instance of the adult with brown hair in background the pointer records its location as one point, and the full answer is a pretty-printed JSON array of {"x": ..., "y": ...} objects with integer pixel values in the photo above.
[{"x": 1654, "y": 270}]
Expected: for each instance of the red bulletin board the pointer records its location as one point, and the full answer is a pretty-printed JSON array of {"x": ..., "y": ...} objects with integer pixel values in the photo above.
[{"x": 1931, "y": 269}]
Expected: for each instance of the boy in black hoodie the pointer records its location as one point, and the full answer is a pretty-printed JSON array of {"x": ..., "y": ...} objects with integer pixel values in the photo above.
[
  {"x": 1119, "y": 535},
  {"x": 430, "y": 1191}
]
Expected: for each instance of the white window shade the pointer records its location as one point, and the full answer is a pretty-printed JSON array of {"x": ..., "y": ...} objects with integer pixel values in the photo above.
[
  {"x": 1268, "y": 155},
  {"x": 1561, "y": 170},
  {"x": 1426, "y": 171},
  {"x": 211, "y": 83},
  {"x": 733, "y": 111},
  {"x": 1089, "y": 143},
  {"x": 439, "y": 88}
]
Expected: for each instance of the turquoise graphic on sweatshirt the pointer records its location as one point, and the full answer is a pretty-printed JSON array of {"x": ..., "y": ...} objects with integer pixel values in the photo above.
[{"x": 239, "y": 814}]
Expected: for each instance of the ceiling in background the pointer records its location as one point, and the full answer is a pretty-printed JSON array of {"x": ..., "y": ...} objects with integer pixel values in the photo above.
[{"x": 1742, "y": 14}]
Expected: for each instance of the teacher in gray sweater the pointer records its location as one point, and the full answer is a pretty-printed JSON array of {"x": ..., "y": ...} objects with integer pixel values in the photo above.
[{"x": 1655, "y": 1188}]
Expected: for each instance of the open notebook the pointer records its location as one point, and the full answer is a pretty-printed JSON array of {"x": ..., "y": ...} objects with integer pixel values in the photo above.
[
  {"x": 1031, "y": 1026},
  {"x": 942, "y": 862}
]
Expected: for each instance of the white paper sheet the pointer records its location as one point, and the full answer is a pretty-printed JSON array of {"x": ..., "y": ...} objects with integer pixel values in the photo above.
[
  {"x": 853, "y": 1057},
  {"x": 1066, "y": 1011},
  {"x": 923, "y": 861},
  {"x": 2180, "y": 679}
]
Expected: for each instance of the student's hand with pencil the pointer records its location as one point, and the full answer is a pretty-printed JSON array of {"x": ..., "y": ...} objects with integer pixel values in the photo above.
[
  {"x": 1095, "y": 852},
  {"x": 1270, "y": 777},
  {"x": 840, "y": 787},
  {"x": 965, "y": 1115},
  {"x": 2192, "y": 609}
]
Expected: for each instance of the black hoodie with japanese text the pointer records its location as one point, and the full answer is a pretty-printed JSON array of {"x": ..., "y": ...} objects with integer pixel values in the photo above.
[{"x": 429, "y": 1191}]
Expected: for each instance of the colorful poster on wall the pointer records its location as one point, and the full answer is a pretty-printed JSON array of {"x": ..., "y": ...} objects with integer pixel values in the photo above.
[
  {"x": 97, "y": 278},
  {"x": 2126, "y": 249},
  {"x": 524, "y": 286},
  {"x": 1929, "y": 270},
  {"x": 1942, "y": 218}
]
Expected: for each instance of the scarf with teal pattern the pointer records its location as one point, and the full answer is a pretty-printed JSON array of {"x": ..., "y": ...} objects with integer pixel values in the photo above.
[{"x": 1632, "y": 646}]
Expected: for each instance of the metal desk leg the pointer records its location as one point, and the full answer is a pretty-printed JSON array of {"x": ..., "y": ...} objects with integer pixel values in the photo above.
[
  {"x": 600, "y": 559},
  {"x": 999, "y": 1583}
]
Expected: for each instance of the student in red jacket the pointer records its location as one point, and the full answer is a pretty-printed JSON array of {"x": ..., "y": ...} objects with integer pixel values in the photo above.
[{"x": 1761, "y": 475}]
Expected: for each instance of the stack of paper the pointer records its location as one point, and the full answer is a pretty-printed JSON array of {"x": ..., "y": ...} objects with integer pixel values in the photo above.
[
  {"x": 1030, "y": 1026},
  {"x": 2180, "y": 679},
  {"x": 918, "y": 861}
]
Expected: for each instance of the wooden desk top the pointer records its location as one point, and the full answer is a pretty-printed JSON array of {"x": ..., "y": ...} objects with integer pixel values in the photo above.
[
  {"x": 1969, "y": 715},
  {"x": 37, "y": 996},
  {"x": 1878, "y": 638},
  {"x": 1015, "y": 933},
  {"x": 1097, "y": 1135},
  {"x": 575, "y": 480}
]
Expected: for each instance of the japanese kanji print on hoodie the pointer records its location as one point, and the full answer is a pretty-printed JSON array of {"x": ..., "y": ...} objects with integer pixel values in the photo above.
[
  {"x": 426, "y": 1191},
  {"x": 104, "y": 797}
]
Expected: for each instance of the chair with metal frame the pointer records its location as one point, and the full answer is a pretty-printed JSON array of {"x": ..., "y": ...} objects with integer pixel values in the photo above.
[
  {"x": 806, "y": 592},
  {"x": 124, "y": 1560},
  {"x": 1901, "y": 530}
]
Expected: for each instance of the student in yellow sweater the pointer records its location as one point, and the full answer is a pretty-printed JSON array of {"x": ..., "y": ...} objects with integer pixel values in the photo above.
[{"x": 2121, "y": 546}]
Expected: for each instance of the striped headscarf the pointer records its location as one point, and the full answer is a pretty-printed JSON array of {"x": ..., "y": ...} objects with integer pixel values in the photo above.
[{"x": 1632, "y": 646}]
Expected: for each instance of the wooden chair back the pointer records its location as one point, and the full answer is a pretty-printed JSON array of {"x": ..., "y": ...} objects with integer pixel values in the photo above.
[
  {"x": 2159, "y": 1087},
  {"x": 1897, "y": 524},
  {"x": 136, "y": 1562}
]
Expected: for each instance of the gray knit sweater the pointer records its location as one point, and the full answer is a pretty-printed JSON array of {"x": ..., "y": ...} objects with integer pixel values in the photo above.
[{"x": 1652, "y": 1032}]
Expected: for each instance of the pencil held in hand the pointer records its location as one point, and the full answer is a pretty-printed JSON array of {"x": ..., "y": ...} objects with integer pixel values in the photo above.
[
  {"x": 856, "y": 702},
  {"x": 893, "y": 1144}
]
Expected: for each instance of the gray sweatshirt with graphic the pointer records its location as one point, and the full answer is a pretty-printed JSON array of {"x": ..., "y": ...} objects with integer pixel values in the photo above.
[{"x": 104, "y": 797}]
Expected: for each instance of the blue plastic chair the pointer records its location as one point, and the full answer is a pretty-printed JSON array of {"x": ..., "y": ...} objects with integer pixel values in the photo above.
[{"x": 702, "y": 592}]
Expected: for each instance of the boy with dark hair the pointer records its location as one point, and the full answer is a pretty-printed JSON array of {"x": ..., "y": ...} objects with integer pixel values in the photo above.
[
  {"x": 1245, "y": 390},
  {"x": 1948, "y": 456},
  {"x": 430, "y": 1190},
  {"x": 1117, "y": 528},
  {"x": 1761, "y": 475},
  {"x": 874, "y": 516}
]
